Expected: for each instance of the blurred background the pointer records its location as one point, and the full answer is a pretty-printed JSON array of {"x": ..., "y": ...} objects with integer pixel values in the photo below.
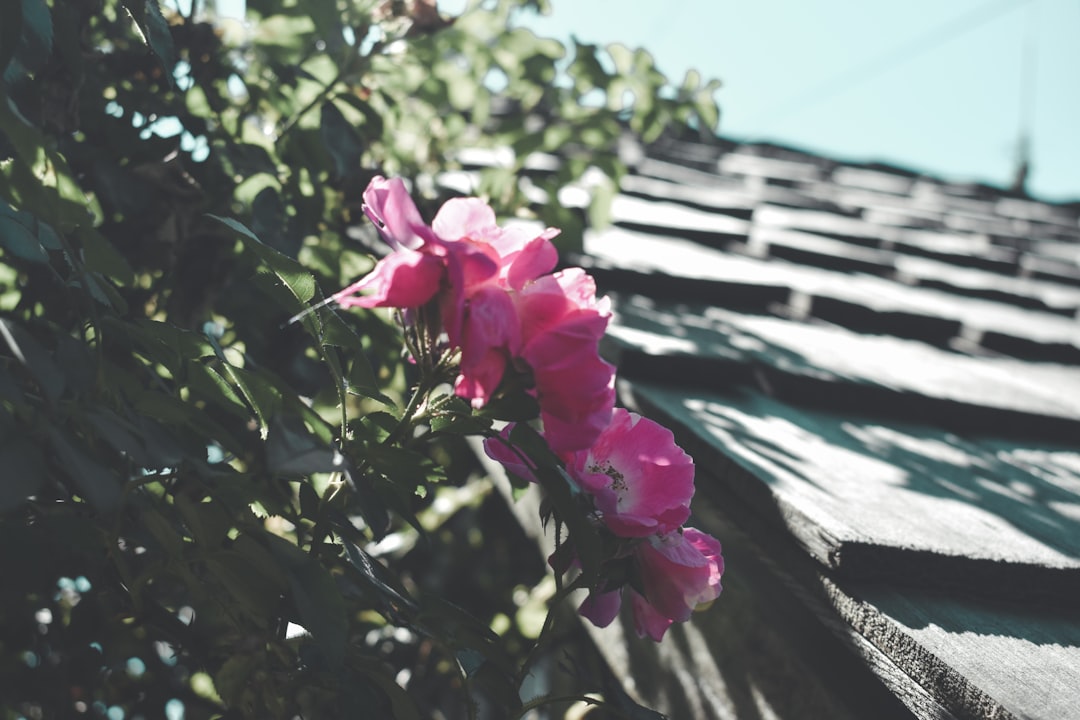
[{"x": 965, "y": 89}]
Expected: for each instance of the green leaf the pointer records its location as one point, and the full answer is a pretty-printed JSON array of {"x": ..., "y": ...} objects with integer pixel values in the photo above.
[
  {"x": 402, "y": 705},
  {"x": 11, "y": 11},
  {"x": 292, "y": 274},
  {"x": 512, "y": 406},
  {"x": 252, "y": 576},
  {"x": 100, "y": 256},
  {"x": 315, "y": 595},
  {"x": 17, "y": 236},
  {"x": 98, "y": 484},
  {"x": 36, "y": 359},
  {"x": 35, "y": 41},
  {"x": 291, "y": 449},
  {"x": 455, "y": 416},
  {"x": 155, "y": 32},
  {"x": 374, "y": 575},
  {"x": 368, "y": 501},
  {"x": 341, "y": 141},
  {"x": 327, "y": 20},
  {"x": 24, "y": 470}
]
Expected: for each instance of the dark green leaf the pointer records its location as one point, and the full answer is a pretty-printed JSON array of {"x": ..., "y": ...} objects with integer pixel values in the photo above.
[
  {"x": 36, "y": 41},
  {"x": 36, "y": 359},
  {"x": 402, "y": 705},
  {"x": 270, "y": 222},
  {"x": 291, "y": 449},
  {"x": 11, "y": 11},
  {"x": 514, "y": 406},
  {"x": 100, "y": 256},
  {"x": 470, "y": 660},
  {"x": 368, "y": 502},
  {"x": 455, "y": 416},
  {"x": 252, "y": 576},
  {"x": 155, "y": 31},
  {"x": 316, "y": 597},
  {"x": 99, "y": 485},
  {"x": 298, "y": 280},
  {"x": 17, "y": 237},
  {"x": 341, "y": 141},
  {"x": 309, "y": 501},
  {"x": 376, "y": 576},
  {"x": 24, "y": 470},
  {"x": 328, "y": 24}
]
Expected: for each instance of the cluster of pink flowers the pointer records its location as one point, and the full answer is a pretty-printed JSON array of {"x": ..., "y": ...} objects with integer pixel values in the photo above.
[
  {"x": 641, "y": 483},
  {"x": 499, "y": 303}
]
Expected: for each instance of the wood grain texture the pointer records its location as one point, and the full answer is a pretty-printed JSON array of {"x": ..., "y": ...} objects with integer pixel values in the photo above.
[
  {"x": 907, "y": 503},
  {"x": 678, "y": 269},
  {"x": 983, "y": 659},
  {"x": 835, "y": 367}
]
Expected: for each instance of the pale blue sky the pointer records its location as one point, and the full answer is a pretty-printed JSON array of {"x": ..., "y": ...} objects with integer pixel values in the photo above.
[{"x": 932, "y": 85}]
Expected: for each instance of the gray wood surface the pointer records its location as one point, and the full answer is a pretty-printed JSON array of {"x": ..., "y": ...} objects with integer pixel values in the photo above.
[
  {"x": 867, "y": 498},
  {"x": 683, "y": 260},
  {"x": 830, "y": 365},
  {"x": 983, "y": 659}
]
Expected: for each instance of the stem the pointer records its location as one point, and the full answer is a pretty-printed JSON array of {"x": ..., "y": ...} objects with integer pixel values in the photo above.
[
  {"x": 561, "y": 593},
  {"x": 320, "y": 530},
  {"x": 95, "y": 316}
]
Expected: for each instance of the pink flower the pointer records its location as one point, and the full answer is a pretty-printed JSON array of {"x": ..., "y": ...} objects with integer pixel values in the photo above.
[
  {"x": 402, "y": 279},
  {"x": 562, "y": 323},
  {"x": 497, "y": 305},
  {"x": 640, "y": 480},
  {"x": 417, "y": 269},
  {"x": 478, "y": 313},
  {"x": 521, "y": 256},
  {"x": 679, "y": 572},
  {"x": 498, "y": 450}
]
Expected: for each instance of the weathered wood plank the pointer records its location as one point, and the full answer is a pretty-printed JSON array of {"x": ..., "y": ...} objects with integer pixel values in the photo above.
[
  {"x": 681, "y": 270},
  {"x": 677, "y": 220},
  {"x": 709, "y": 199},
  {"x": 980, "y": 659},
  {"x": 851, "y": 370},
  {"x": 871, "y": 499},
  {"x": 806, "y": 248},
  {"x": 1049, "y": 295}
]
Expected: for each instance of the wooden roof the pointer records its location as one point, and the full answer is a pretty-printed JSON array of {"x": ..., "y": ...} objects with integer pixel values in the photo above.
[
  {"x": 878, "y": 374},
  {"x": 883, "y": 368}
]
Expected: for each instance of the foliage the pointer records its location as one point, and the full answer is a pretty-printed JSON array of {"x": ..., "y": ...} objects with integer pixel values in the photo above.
[{"x": 187, "y": 478}]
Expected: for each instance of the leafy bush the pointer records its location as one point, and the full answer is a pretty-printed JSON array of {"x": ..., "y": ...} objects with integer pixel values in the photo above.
[{"x": 188, "y": 480}]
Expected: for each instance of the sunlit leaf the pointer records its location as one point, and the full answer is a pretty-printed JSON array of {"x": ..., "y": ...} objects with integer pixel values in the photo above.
[{"x": 155, "y": 32}]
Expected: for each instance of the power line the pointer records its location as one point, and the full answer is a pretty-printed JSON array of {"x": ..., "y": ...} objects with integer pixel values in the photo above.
[{"x": 908, "y": 51}]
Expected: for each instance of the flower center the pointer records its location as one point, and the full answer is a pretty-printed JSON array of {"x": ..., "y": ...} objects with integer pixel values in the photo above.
[{"x": 618, "y": 480}]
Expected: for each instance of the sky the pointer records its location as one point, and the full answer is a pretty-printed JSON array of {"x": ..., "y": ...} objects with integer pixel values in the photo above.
[{"x": 938, "y": 87}]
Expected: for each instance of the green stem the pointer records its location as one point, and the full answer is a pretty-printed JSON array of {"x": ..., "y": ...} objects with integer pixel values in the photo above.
[
  {"x": 561, "y": 593},
  {"x": 95, "y": 316}
]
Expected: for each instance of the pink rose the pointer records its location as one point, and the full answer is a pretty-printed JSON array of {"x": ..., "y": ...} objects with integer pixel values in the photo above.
[
  {"x": 498, "y": 450},
  {"x": 640, "y": 480},
  {"x": 562, "y": 323},
  {"x": 496, "y": 305},
  {"x": 678, "y": 571},
  {"x": 478, "y": 313}
]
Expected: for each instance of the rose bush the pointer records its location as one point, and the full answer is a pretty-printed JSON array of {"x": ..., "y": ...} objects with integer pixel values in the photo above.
[
  {"x": 505, "y": 315},
  {"x": 498, "y": 306},
  {"x": 223, "y": 514}
]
